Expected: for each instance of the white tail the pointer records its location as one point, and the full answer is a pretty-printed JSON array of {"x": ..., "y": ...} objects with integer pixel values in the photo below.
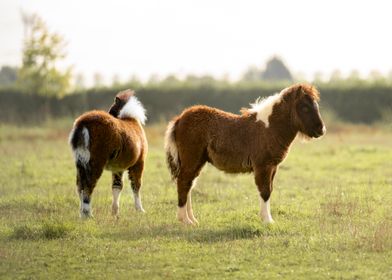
[
  {"x": 171, "y": 150},
  {"x": 79, "y": 141}
]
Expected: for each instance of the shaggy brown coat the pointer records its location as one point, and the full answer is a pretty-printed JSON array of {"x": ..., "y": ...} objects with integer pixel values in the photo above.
[
  {"x": 101, "y": 141},
  {"x": 240, "y": 143}
]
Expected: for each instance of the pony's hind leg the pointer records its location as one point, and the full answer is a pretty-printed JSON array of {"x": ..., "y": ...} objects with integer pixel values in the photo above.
[
  {"x": 87, "y": 177},
  {"x": 185, "y": 182},
  {"x": 189, "y": 205},
  {"x": 185, "y": 212},
  {"x": 84, "y": 189},
  {"x": 117, "y": 186},
  {"x": 135, "y": 177}
]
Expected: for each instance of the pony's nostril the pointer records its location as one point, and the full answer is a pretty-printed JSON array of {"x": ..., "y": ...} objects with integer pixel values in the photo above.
[{"x": 320, "y": 127}]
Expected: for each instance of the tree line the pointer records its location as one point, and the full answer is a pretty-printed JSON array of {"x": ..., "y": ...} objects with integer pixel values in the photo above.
[{"x": 357, "y": 104}]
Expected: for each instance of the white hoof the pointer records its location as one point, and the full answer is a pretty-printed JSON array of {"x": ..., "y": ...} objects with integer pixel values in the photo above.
[
  {"x": 186, "y": 221},
  {"x": 265, "y": 212},
  {"x": 193, "y": 220},
  {"x": 268, "y": 221},
  {"x": 86, "y": 215},
  {"x": 140, "y": 209},
  {"x": 85, "y": 211},
  {"x": 138, "y": 203},
  {"x": 182, "y": 216}
]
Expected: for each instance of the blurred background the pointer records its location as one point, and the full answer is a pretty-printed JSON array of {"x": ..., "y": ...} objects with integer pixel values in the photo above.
[{"x": 59, "y": 59}]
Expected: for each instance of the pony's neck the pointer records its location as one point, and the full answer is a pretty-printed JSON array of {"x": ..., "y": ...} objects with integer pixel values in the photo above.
[{"x": 281, "y": 126}]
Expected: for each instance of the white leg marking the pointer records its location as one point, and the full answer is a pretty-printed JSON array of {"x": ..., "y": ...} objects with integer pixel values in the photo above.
[
  {"x": 189, "y": 208},
  {"x": 138, "y": 202},
  {"x": 182, "y": 215},
  {"x": 85, "y": 210},
  {"x": 116, "y": 201},
  {"x": 266, "y": 211}
]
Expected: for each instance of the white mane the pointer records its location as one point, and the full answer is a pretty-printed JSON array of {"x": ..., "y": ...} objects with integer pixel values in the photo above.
[
  {"x": 263, "y": 107},
  {"x": 133, "y": 109}
]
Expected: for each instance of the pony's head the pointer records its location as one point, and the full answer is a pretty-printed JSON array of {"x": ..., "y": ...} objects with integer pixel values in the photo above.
[
  {"x": 119, "y": 101},
  {"x": 126, "y": 105},
  {"x": 306, "y": 114}
]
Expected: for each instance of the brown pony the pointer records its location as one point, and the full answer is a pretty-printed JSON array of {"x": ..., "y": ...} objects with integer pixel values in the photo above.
[
  {"x": 256, "y": 141},
  {"x": 114, "y": 141}
]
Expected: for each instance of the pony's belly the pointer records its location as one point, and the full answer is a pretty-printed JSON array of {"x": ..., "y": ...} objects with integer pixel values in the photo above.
[
  {"x": 117, "y": 167},
  {"x": 234, "y": 169},
  {"x": 231, "y": 166},
  {"x": 228, "y": 160},
  {"x": 114, "y": 168}
]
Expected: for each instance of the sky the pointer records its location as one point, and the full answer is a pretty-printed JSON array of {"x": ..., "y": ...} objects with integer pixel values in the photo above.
[{"x": 219, "y": 38}]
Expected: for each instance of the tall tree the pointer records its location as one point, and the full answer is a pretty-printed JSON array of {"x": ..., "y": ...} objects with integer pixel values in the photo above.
[{"x": 42, "y": 52}]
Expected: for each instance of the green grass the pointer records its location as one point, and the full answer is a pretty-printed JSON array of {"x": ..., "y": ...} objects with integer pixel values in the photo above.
[{"x": 332, "y": 203}]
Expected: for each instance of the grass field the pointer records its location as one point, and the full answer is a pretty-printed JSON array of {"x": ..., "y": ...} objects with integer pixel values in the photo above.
[{"x": 332, "y": 204}]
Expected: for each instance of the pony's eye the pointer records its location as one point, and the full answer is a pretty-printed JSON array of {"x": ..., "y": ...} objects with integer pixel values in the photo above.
[{"x": 305, "y": 109}]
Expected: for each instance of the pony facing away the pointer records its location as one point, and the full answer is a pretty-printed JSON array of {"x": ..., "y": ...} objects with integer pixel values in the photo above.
[
  {"x": 114, "y": 141},
  {"x": 256, "y": 141}
]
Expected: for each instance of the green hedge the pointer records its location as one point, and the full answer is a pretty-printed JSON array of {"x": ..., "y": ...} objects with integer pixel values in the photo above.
[{"x": 354, "y": 104}]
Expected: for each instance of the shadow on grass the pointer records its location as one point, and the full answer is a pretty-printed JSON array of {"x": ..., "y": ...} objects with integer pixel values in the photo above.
[
  {"x": 46, "y": 231},
  {"x": 195, "y": 234}
]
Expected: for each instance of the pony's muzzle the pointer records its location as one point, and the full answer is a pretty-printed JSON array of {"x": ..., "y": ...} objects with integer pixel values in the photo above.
[{"x": 320, "y": 131}]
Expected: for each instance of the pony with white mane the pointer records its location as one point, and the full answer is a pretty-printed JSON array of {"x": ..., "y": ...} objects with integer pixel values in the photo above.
[
  {"x": 256, "y": 141},
  {"x": 114, "y": 141}
]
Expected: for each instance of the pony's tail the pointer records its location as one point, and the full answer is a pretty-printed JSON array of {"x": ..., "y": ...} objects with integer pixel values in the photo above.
[
  {"x": 79, "y": 140},
  {"x": 172, "y": 157}
]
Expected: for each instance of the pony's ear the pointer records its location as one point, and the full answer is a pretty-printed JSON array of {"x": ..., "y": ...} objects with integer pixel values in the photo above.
[
  {"x": 128, "y": 92},
  {"x": 124, "y": 95}
]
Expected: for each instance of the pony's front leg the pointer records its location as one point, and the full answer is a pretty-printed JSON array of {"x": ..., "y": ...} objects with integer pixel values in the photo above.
[
  {"x": 117, "y": 186},
  {"x": 264, "y": 178},
  {"x": 135, "y": 176}
]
